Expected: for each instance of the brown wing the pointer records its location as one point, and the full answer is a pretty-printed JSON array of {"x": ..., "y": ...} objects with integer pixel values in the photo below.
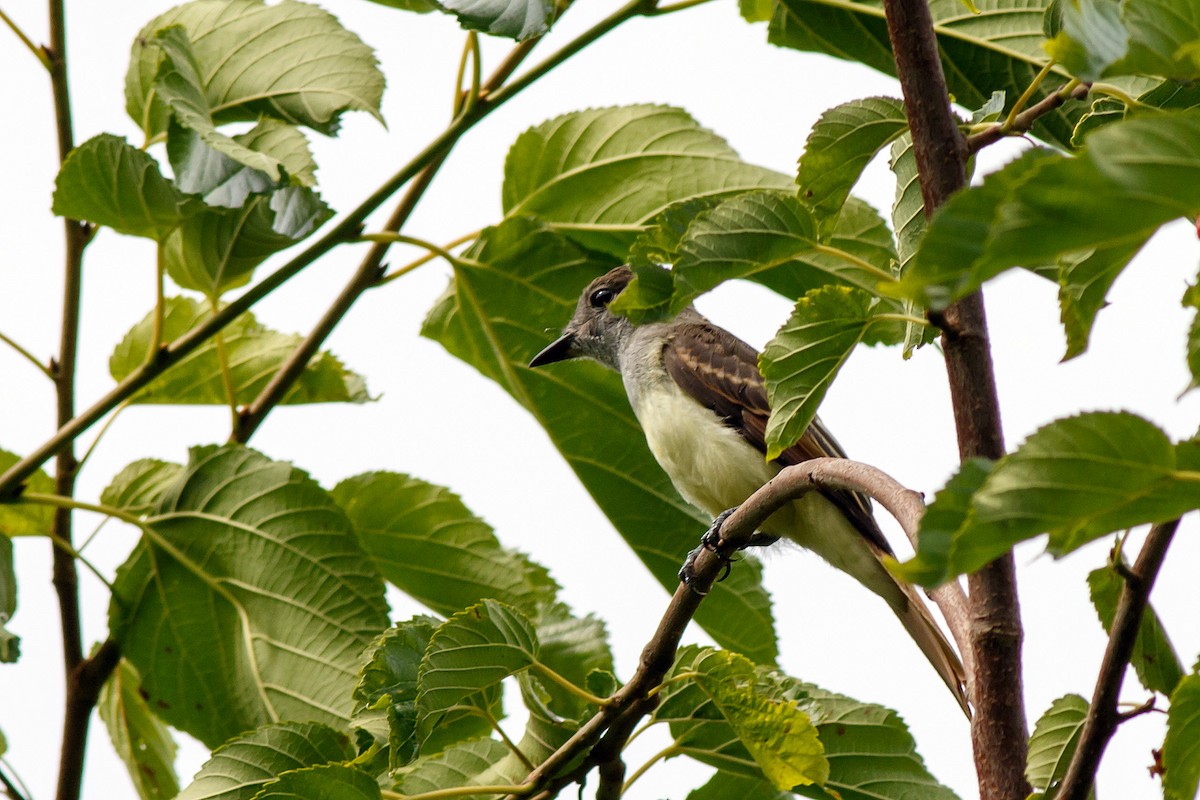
[{"x": 720, "y": 371}]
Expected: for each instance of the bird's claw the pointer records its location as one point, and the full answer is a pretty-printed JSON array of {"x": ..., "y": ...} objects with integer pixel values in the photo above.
[{"x": 711, "y": 540}]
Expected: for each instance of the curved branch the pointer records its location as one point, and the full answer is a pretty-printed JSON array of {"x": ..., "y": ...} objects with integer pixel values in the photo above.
[
  {"x": 1103, "y": 717},
  {"x": 1021, "y": 123},
  {"x": 610, "y": 729}
]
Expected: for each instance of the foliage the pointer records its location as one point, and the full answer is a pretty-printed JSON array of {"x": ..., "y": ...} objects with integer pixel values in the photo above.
[{"x": 251, "y": 612}]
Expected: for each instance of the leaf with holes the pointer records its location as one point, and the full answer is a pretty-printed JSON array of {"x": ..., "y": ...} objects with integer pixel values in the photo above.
[
  {"x": 140, "y": 738},
  {"x": 248, "y": 599}
]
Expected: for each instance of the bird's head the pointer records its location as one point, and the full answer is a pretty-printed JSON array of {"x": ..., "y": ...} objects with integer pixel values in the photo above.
[{"x": 594, "y": 331}]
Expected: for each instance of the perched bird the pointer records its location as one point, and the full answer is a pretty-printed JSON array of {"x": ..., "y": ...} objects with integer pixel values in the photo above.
[{"x": 702, "y": 404}]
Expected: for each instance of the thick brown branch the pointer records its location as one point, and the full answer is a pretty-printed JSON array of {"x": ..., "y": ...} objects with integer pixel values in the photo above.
[
  {"x": 998, "y": 730},
  {"x": 1102, "y": 716}
]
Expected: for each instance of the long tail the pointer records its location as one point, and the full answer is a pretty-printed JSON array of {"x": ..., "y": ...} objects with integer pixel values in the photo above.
[{"x": 921, "y": 626}]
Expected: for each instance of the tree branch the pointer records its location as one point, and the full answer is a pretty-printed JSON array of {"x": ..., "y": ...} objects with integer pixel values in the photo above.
[
  {"x": 1103, "y": 717},
  {"x": 1023, "y": 121},
  {"x": 607, "y": 733},
  {"x": 999, "y": 732}
]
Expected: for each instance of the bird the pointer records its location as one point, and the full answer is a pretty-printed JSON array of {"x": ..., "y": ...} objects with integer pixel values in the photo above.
[{"x": 701, "y": 401}]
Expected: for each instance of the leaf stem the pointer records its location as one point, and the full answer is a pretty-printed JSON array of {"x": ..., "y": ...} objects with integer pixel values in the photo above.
[
  {"x": 577, "y": 691},
  {"x": 1027, "y": 95},
  {"x": 425, "y": 259},
  {"x": 866, "y": 266},
  {"x": 676, "y": 678},
  {"x": 666, "y": 752},
  {"x": 1116, "y": 92},
  {"x": 14, "y": 792},
  {"x": 103, "y": 430},
  {"x": 391, "y": 237},
  {"x": 61, "y": 501},
  {"x": 509, "y": 743},
  {"x": 911, "y": 320},
  {"x": 38, "y": 52},
  {"x": 30, "y": 357},
  {"x": 71, "y": 551},
  {"x": 671, "y": 8}
]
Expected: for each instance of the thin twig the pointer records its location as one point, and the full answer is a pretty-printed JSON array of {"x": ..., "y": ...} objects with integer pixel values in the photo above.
[
  {"x": 30, "y": 357},
  {"x": 1103, "y": 717},
  {"x": 38, "y": 52},
  {"x": 1022, "y": 123},
  {"x": 999, "y": 732}
]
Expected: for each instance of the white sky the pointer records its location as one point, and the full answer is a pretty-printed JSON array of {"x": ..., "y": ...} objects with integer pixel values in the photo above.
[{"x": 482, "y": 445}]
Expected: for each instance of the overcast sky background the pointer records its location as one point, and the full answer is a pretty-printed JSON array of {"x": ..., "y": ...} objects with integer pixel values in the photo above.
[{"x": 439, "y": 420}]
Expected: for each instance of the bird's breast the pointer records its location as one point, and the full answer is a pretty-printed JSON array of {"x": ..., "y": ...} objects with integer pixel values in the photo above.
[{"x": 712, "y": 466}]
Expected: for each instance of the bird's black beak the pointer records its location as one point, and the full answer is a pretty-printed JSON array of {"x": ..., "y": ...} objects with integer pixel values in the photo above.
[{"x": 560, "y": 349}]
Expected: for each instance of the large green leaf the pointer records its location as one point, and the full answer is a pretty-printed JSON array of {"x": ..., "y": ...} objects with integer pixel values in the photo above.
[
  {"x": 908, "y": 220},
  {"x": 425, "y": 541},
  {"x": 19, "y": 518},
  {"x": 512, "y": 19},
  {"x": 239, "y": 769},
  {"x": 1103, "y": 38},
  {"x": 1053, "y": 742},
  {"x": 1181, "y": 748},
  {"x": 724, "y": 785},
  {"x": 140, "y": 738},
  {"x": 841, "y": 144},
  {"x": 218, "y": 249},
  {"x": 258, "y": 59},
  {"x": 248, "y": 599},
  {"x": 522, "y": 282},
  {"x": 253, "y": 353},
  {"x": 1154, "y": 658},
  {"x": 1083, "y": 284},
  {"x": 600, "y": 175},
  {"x": 1133, "y": 177},
  {"x": 1077, "y": 479},
  {"x": 804, "y": 357},
  {"x": 997, "y": 49},
  {"x": 106, "y": 181},
  {"x": 140, "y": 485}
]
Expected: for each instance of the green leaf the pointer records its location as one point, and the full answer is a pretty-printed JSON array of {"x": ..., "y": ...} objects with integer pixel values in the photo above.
[
  {"x": 512, "y": 19},
  {"x": 997, "y": 49},
  {"x": 1181, "y": 748},
  {"x": 600, "y": 175},
  {"x": 10, "y": 643},
  {"x": 139, "y": 487},
  {"x": 1083, "y": 284},
  {"x": 724, "y": 785},
  {"x": 1191, "y": 299},
  {"x": 416, "y": 6},
  {"x": 248, "y": 599},
  {"x": 260, "y": 60},
  {"x": 423, "y": 540},
  {"x": 254, "y": 354},
  {"x": 725, "y": 716},
  {"x": 240, "y": 768},
  {"x": 474, "y": 763},
  {"x": 1133, "y": 177},
  {"x": 521, "y": 264},
  {"x": 19, "y": 518},
  {"x": 106, "y": 181},
  {"x": 223, "y": 181},
  {"x": 179, "y": 84},
  {"x": 756, "y": 10},
  {"x": 326, "y": 781},
  {"x": 1053, "y": 742},
  {"x": 1077, "y": 479},
  {"x": 1154, "y": 658},
  {"x": 908, "y": 220},
  {"x": 140, "y": 738},
  {"x": 1103, "y": 38},
  {"x": 841, "y": 144},
  {"x": 469, "y": 653},
  {"x": 943, "y": 519},
  {"x": 870, "y": 754},
  {"x": 803, "y": 358},
  {"x": 386, "y": 696},
  {"x": 218, "y": 249}
]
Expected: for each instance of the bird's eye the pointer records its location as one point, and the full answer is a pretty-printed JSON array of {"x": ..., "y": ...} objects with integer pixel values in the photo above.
[{"x": 602, "y": 297}]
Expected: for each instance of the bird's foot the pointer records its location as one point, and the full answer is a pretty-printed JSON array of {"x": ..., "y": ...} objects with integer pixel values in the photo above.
[{"x": 711, "y": 540}]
